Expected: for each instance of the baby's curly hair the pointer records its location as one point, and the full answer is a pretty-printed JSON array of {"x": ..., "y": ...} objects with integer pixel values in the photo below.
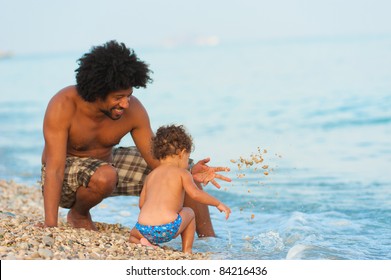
[
  {"x": 171, "y": 140},
  {"x": 107, "y": 68}
]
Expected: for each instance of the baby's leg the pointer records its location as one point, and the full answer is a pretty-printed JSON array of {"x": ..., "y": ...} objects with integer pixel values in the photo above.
[
  {"x": 137, "y": 238},
  {"x": 187, "y": 229}
]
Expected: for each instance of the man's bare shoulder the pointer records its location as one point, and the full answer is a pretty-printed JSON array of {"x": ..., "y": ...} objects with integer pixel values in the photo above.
[
  {"x": 66, "y": 94},
  {"x": 61, "y": 107},
  {"x": 135, "y": 105},
  {"x": 136, "y": 114},
  {"x": 65, "y": 99}
]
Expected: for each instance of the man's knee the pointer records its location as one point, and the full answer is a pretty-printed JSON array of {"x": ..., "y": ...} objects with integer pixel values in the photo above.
[{"x": 104, "y": 180}]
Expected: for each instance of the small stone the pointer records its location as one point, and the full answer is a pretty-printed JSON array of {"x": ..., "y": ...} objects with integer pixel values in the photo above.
[
  {"x": 35, "y": 255},
  {"x": 24, "y": 245},
  {"x": 48, "y": 241},
  {"x": 81, "y": 256},
  {"x": 95, "y": 256},
  {"x": 3, "y": 249},
  {"x": 45, "y": 253}
]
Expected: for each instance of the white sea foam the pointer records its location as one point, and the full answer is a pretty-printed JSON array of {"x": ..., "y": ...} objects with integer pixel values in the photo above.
[{"x": 296, "y": 252}]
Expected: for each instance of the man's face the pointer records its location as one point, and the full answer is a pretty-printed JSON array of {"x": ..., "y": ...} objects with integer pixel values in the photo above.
[{"x": 115, "y": 103}]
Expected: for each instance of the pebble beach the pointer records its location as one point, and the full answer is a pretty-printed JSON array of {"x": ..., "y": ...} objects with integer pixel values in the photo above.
[{"x": 21, "y": 209}]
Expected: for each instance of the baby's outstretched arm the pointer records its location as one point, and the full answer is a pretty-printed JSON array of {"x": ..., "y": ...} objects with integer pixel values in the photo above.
[
  {"x": 200, "y": 196},
  {"x": 224, "y": 208}
]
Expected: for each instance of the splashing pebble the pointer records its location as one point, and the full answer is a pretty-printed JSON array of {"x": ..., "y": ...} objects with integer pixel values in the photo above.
[
  {"x": 20, "y": 238},
  {"x": 254, "y": 161}
]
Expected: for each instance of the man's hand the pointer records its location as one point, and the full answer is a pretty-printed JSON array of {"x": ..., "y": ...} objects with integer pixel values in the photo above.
[{"x": 204, "y": 174}]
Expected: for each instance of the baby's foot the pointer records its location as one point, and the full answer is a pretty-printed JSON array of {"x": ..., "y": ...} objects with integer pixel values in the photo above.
[{"x": 145, "y": 242}]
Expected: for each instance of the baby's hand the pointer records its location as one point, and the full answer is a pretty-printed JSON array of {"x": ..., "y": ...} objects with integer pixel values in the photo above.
[{"x": 224, "y": 208}]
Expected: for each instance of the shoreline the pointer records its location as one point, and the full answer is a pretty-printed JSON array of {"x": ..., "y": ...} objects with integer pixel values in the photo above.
[{"x": 21, "y": 208}]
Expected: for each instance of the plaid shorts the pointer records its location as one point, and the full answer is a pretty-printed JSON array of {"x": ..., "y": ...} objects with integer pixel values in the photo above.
[{"x": 130, "y": 165}]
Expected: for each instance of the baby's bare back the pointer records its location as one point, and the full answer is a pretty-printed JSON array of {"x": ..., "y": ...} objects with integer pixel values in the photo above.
[{"x": 164, "y": 195}]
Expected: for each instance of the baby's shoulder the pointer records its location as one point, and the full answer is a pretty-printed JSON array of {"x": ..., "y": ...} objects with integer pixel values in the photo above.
[{"x": 184, "y": 173}]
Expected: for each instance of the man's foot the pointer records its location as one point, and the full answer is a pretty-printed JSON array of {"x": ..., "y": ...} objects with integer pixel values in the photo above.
[
  {"x": 76, "y": 220},
  {"x": 145, "y": 242}
]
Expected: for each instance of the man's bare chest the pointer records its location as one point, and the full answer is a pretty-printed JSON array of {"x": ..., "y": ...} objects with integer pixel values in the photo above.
[{"x": 85, "y": 134}]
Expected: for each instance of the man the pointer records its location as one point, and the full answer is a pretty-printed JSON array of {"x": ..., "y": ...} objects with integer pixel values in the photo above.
[{"x": 83, "y": 123}]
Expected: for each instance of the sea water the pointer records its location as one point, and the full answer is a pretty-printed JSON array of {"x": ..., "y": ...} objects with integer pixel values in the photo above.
[{"x": 316, "y": 110}]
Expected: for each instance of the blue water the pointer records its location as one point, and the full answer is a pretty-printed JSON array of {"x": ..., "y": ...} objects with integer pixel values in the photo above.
[{"x": 319, "y": 106}]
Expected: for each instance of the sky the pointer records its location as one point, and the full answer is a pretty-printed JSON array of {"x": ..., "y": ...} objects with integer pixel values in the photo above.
[{"x": 41, "y": 26}]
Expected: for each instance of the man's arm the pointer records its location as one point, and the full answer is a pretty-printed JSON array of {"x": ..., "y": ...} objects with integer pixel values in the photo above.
[
  {"x": 55, "y": 129},
  {"x": 142, "y": 132}
]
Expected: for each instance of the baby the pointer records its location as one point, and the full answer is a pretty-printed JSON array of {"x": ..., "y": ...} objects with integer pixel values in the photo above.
[{"x": 162, "y": 215}]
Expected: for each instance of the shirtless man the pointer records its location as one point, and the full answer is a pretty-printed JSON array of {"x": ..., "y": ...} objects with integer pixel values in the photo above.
[{"x": 83, "y": 123}]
